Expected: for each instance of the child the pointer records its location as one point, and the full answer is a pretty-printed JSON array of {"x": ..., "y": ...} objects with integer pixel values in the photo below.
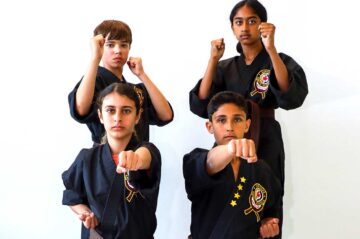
[
  {"x": 111, "y": 44},
  {"x": 232, "y": 197},
  {"x": 113, "y": 187},
  {"x": 261, "y": 74}
]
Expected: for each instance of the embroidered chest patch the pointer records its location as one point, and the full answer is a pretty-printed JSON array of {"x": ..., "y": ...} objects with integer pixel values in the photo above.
[
  {"x": 130, "y": 190},
  {"x": 257, "y": 200},
  {"x": 261, "y": 83}
]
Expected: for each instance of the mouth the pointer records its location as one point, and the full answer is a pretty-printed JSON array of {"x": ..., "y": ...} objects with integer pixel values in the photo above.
[
  {"x": 117, "y": 128},
  {"x": 117, "y": 59},
  {"x": 245, "y": 36},
  {"x": 229, "y": 137}
]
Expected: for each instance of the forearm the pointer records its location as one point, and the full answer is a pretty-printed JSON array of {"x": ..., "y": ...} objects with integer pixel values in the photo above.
[
  {"x": 206, "y": 82},
  {"x": 280, "y": 70},
  {"x": 80, "y": 209},
  {"x": 85, "y": 92},
  {"x": 144, "y": 156},
  {"x": 217, "y": 159},
  {"x": 158, "y": 100}
]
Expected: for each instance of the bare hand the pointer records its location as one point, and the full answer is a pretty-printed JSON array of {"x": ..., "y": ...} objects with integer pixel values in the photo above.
[
  {"x": 267, "y": 32},
  {"x": 89, "y": 219},
  {"x": 217, "y": 49},
  {"x": 269, "y": 227},
  {"x": 97, "y": 46},
  {"x": 243, "y": 148},
  {"x": 135, "y": 65},
  {"x": 128, "y": 160}
]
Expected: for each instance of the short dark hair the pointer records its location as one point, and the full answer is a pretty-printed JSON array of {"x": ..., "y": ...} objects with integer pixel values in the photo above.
[
  {"x": 118, "y": 30},
  {"x": 123, "y": 89},
  {"x": 225, "y": 97}
]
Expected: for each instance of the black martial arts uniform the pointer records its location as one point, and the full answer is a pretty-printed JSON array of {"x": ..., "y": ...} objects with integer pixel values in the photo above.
[
  {"x": 223, "y": 208},
  {"x": 258, "y": 83},
  {"x": 105, "y": 78},
  {"x": 133, "y": 198}
]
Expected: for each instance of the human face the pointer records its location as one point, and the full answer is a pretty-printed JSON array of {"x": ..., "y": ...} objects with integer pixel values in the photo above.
[
  {"x": 118, "y": 114},
  {"x": 245, "y": 26},
  {"x": 228, "y": 122},
  {"x": 115, "y": 54}
]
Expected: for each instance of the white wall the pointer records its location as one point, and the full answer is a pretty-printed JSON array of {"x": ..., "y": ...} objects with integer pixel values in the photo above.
[{"x": 44, "y": 49}]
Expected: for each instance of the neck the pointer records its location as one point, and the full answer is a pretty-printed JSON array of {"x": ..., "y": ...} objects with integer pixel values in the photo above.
[
  {"x": 118, "y": 145},
  {"x": 250, "y": 52},
  {"x": 235, "y": 164},
  {"x": 116, "y": 71}
]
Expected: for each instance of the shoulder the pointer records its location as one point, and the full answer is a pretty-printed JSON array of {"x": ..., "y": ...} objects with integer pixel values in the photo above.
[
  {"x": 229, "y": 61},
  {"x": 196, "y": 151}
]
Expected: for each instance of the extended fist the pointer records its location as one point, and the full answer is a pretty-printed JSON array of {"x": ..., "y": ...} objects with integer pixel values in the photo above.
[{"x": 243, "y": 148}]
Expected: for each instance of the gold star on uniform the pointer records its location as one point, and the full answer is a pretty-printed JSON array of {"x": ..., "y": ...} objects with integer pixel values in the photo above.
[
  {"x": 240, "y": 187},
  {"x": 243, "y": 180},
  {"x": 233, "y": 203},
  {"x": 237, "y": 196}
]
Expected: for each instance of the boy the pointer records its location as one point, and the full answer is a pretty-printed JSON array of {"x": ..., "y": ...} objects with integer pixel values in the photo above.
[
  {"x": 111, "y": 45},
  {"x": 232, "y": 197}
]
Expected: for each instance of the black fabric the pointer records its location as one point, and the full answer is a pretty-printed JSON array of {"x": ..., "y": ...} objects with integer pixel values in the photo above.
[
  {"x": 233, "y": 74},
  {"x": 89, "y": 179},
  {"x": 105, "y": 78},
  {"x": 211, "y": 195}
]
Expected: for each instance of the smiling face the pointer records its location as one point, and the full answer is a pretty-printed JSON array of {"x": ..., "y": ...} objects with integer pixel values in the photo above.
[
  {"x": 119, "y": 116},
  {"x": 245, "y": 26},
  {"x": 227, "y": 123}
]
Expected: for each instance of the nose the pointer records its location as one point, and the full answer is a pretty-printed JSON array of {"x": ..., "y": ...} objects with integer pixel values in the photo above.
[
  {"x": 116, "y": 48},
  {"x": 117, "y": 117},
  {"x": 229, "y": 126}
]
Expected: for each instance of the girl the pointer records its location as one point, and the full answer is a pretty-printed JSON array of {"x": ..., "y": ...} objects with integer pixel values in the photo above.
[
  {"x": 113, "y": 187},
  {"x": 261, "y": 74}
]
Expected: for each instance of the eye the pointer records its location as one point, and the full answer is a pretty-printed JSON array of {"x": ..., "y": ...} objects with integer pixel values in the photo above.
[
  {"x": 110, "y": 45},
  {"x": 221, "y": 120},
  {"x": 237, "y": 119},
  {"x": 126, "y": 111},
  {"x": 252, "y": 21},
  {"x": 125, "y": 45},
  {"x": 109, "y": 110},
  {"x": 238, "y": 22}
]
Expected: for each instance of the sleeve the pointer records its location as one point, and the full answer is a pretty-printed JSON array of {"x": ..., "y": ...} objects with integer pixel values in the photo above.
[
  {"x": 274, "y": 201},
  {"x": 195, "y": 175},
  {"x": 74, "y": 192},
  {"x": 150, "y": 109},
  {"x": 90, "y": 117},
  {"x": 298, "y": 88},
  {"x": 199, "y": 106},
  {"x": 148, "y": 181}
]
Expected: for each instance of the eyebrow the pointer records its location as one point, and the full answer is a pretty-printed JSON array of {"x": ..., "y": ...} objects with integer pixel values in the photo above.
[{"x": 246, "y": 18}]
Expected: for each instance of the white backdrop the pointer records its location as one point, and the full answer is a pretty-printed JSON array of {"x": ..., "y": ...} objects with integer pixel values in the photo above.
[{"x": 44, "y": 51}]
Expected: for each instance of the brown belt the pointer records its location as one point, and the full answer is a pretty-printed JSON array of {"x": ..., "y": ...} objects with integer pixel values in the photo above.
[
  {"x": 266, "y": 113},
  {"x": 256, "y": 113}
]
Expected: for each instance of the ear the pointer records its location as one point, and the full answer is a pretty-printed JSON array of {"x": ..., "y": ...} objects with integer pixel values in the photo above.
[
  {"x": 209, "y": 127},
  {"x": 247, "y": 125},
  {"x": 100, "y": 116},
  {"x": 138, "y": 116}
]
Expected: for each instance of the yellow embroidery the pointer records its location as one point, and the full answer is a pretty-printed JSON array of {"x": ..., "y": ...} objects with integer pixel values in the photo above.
[
  {"x": 261, "y": 83},
  {"x": 257, "y": 200},
  {"x": 237, "y": 195},
  {"x": 240, "y": 187},
  {"x": 233, "y": 203},
  {"x": 243, "y": 180},
  {"x": 130, "y": 189}
]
